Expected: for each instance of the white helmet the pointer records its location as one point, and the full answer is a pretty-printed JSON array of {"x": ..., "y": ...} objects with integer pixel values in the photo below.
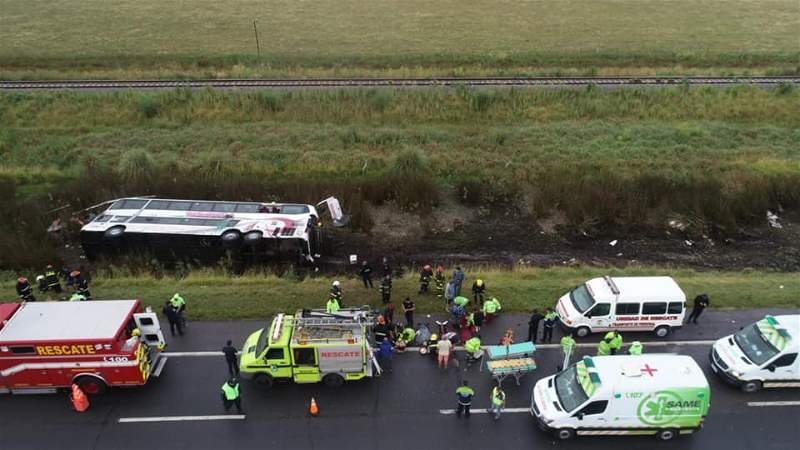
[
  {"x": 336, "y": 283},
  {"x": 40, "y": 278}
]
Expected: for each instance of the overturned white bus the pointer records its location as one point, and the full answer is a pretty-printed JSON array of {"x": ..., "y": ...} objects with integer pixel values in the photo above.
[{"x": 207, "y": 230}]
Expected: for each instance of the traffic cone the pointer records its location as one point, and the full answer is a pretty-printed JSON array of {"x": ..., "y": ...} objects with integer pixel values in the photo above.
[
  {"x": 78, "y": 398},
  {"x": 313, "y": 409}
]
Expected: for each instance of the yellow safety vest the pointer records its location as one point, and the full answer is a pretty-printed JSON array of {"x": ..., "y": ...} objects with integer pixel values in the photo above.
[{"x": 231, "y": 392}]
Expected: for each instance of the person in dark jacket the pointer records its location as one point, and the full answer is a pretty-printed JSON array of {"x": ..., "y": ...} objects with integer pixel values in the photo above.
[
  {"x": 533, "y": 325},
  {"x": 478, "y": 291},
  {"x": 81, "y": 285},
  {"x": 550, "y": 322},
  {"x": 172, "y": 317},
  {"x": 51, "y": 277},
  {"x": 25, "y": 290},
  {"x": 386, "y": 268},
  {"x": 386, "y": 289},
  {"x": 41, "y": 284},
  {"x": 230, "y": 358},
  {"x": 425, "y": 276},
  {"x": 408, "y": 309},
  {"x": 701, "y": 302},
  {"x": 458, "y": 279},
  {"x": 366, "y": 274},
  {"x": 336, "y": 292}
]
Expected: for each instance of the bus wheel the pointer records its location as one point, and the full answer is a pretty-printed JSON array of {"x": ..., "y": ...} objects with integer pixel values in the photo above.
[
  {"x": 333, "y": 380},
  {"x": 582, "y": 331},
  {"x": 263, "y": 381},
  {"x": 565, "y": 434},
  {"x": 91, "y": 385},
  {"x": 751, "y": 386},
  {"x": 661, "y": 331},
  {"x": 667, "y": 434},
  {"x": 231, "y": 238},
  {"x": 114, "y": 232}
]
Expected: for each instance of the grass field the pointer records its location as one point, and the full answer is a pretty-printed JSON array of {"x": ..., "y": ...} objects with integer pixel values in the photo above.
[
  {"x": 141, "y": 38},
  {"x": 713, "y": 158},
  {"x": 211, "y": 295}
]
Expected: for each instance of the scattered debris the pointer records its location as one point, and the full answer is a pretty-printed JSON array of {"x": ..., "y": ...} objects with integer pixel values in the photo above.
[
  {"x": 689, "y": 243},
  {"x": 619, "y": 254},
  {"x": 780, "y": 287},
  {"x": 613, "y": 243},
  {"x": 677, "y": 225},
  {"x": 773, "y": 219}
]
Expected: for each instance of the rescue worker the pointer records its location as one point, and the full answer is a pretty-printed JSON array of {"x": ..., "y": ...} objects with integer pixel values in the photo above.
[
  {"x": 461, "y": 301},
  {"x": 25, "y": 290},
  {"x": 473, "y": 347},
  {"x": 458, "y": 279},
  {"x": 231, "y": 395},
  {"x": 332, "y": 307},
  {"x": 336, "y": 292},
  {"x": 449, "y": 293},
  {"x": 635, "y": 348},
  {"x": 478, "y": 291},
  {"x": 66, "y": 274},
  {"x": 614, "y": 340},
  {"x": 498, "y": 399},
  {"x": 385, "y": 355},
  {"x": 408, "y": 335},
  {"x": 80, "y": 283},
  {"x": 77, "y": 297},
  {"x": 386, "y": 289},
  {"x": 366, "y": 274},
  {"x": 425, "y": 275},
  {"x": 438, "y": 282},
  {"x": 179, "y": 305},
  {"x": 41, "y": 284},
  {"x": 408, "y": 309},
  {"x": 491, "y": 308},
  {"x": 604, "y": 347},
  {"x": 172, "y": 317},
  {"x": 550, "y": 320},
  {"x": 701, "y": 302},
  {"x": 464, "y": 393},
  {"x": 381, "y": 330},
  {"x": 51, "y": 277},
  {"x": 230, "y": 358},
  {"x": 533, "y": 325},
  {"x": 567, "y": 347},
  {"x": 476, "y": 318}
]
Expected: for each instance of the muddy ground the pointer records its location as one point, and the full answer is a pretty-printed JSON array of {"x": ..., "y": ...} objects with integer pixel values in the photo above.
[{"x": 455, "y": 234}]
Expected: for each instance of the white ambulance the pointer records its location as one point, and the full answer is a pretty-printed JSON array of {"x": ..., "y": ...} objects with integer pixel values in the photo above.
[
  {"x": 763, "y": 354},
  {"x": 653, "y": 394},
  {"x": 603, "y": 304}
]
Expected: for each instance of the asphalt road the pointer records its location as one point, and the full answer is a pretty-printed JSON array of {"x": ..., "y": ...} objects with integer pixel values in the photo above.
[{"x": 398, "y": 410}]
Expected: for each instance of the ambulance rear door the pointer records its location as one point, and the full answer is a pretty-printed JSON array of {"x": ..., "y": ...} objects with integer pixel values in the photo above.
[{"x": 148, "y": 325}]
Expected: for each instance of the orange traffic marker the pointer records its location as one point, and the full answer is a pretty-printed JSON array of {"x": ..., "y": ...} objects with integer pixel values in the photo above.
[
  {"x": 78, "y": 398},
  {"x": 313, "y": 409}
]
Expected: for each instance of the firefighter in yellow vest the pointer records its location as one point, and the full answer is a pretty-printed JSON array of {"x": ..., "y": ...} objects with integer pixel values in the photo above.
[
  {"x": 231, "y": 395},
  {"x": 332, "y": 306}
]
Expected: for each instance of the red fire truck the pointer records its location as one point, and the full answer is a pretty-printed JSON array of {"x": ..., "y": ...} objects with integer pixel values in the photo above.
[{"x": 50, "y": 345}]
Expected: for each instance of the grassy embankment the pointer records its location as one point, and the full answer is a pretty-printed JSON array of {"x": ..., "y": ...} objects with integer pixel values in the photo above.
[
  {"x": 212, "y": 295},
  {"x": 157, "y": 38},
  {"x": 713, "y": 158}
]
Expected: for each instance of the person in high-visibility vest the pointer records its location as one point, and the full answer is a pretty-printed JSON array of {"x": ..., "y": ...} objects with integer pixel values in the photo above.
[
  {"x": 464, "y": 393},
  {"x": 568, "y": 347},
  {"x": 550, "y": 320},
  {"x": 473, "y": 347},
  {"x": 614, "y": 341},
  {"x": 498, "y": 402},
  {"x": 332, "y": 307},
  {"x": 76, "y": 297},
  {"x": 231, "y": 395},
  {"x": 604, "y": 347},
  {"x": 635, "y": 348},
  {"x": 490, "y": 308}
]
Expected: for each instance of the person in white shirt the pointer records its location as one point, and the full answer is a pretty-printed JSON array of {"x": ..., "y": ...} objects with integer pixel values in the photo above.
[{"x": 443, "y": 347}]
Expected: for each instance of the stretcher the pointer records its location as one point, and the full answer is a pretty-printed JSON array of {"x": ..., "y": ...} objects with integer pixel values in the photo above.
[{"x": 516, "y": 360}]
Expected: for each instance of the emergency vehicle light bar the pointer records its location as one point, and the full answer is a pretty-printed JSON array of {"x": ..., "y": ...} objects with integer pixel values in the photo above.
[
  {"x": 276, "y": 331},
  {"x": 588, "y": 361},
  {"x": 611, "y": 285}
]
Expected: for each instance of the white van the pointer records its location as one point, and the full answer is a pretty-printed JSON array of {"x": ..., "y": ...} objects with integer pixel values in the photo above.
[
  {"x": 763, "y": 354},
  {"x": 658, "y": 394},
  {"x": 655, "y": 304}
]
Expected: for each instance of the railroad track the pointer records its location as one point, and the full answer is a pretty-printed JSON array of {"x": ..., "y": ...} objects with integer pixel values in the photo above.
[{"x": 391, "y": 82}]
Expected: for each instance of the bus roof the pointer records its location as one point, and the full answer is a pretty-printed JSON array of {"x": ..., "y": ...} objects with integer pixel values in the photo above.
[
  {"x": 46, "y": 321},
  {"x": 646, "y": 372}
]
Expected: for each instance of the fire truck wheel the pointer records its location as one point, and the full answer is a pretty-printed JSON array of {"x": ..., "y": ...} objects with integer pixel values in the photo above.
[
  {"x": 91, "y": 385},
  {"x": 333, "y": 380},
  {"x": 263, "y": 381}
]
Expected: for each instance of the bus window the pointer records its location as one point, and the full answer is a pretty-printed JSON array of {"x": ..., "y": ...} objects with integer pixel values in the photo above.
[
  {"x": 251, "y": 208},
  {"x": 225, "y": 207},
  {"x": 180, "y": 206},
  {"x": 202, "y": 206},
  {"x": 158, "y": 204},
  {"x": 294, "y": 209},
  {"x": 132, "y": 204}
]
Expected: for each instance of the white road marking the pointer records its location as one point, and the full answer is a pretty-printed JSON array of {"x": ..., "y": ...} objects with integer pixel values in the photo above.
[
  {"x": 448, "y": 412},
  {"x": 789, "y": 403},
  {"x": 461, "y": 348},
  {"x": 180, "y": 418}
]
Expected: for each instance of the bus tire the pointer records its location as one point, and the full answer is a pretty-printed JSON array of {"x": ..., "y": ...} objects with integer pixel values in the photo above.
[
  {"x": 564, "y": 434},
  {"x": 231, "y": 238},
  {"x": 751, "y": 386},
  {"x": 667, "y": 434},
  {"x": 582, "y": 332},
  {"x": 91, "y": 385},
  {"x": 253, "y": 237},
  {"x": 333, "y": 380},
  {"x": 114, "y": 232},
  {"x": 263, "y": 381},
  {"x": 661, "y": 331}
]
